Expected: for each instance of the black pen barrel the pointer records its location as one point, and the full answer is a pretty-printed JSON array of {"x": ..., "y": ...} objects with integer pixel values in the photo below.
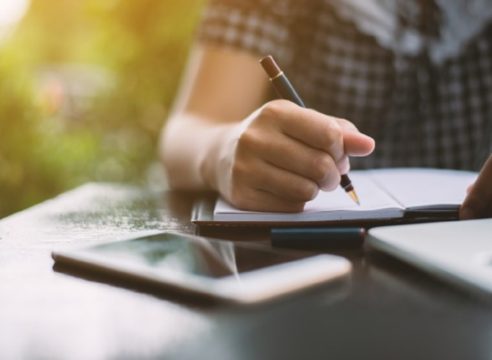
[{"x": 285, "y": 90}]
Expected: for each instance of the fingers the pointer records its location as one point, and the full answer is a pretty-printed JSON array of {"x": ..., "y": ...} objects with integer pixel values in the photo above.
[
  {"x": 284, "y": 184},
  {"x": 293, "y": 156},
  {"x": 259, "y": 175},
  {"x": 255, "y": 185},
  {"x": 337, "y": 137},
  {"x": 308, "y": 126},
  {"x": 478, "y": 203}
]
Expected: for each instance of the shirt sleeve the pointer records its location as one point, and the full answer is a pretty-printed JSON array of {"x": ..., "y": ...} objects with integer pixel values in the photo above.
[{"x": 257, "y": 26}]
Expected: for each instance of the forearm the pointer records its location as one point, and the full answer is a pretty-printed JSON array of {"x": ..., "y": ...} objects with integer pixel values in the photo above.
[{"x": 190, "y": 150}]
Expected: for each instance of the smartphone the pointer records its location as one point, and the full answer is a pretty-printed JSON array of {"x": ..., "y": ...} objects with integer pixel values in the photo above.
[{"x": 235, "y": 272}]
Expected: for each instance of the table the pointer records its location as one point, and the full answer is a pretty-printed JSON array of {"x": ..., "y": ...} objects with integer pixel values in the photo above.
[{"x": 388, "y": 310}]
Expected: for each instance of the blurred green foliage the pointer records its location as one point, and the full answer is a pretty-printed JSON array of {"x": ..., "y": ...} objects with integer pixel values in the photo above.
[{"x": 84, "y": 89}]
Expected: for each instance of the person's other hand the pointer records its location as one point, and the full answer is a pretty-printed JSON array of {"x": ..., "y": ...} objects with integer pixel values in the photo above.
[
  {"x": 478, "y": 202},
  {"x": 279, "y": 157}
]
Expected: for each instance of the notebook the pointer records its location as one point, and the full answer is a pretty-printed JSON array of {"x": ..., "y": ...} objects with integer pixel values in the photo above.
[
  {"x": 458, "y": 252},
  {"x": 384, "y": 194}
]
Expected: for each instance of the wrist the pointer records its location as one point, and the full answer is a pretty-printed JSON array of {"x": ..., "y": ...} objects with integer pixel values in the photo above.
[{"x": 212, "y": 167}]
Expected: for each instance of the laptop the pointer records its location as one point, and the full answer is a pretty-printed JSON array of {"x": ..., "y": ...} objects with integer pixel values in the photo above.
[{"x": 459, "y": 252}]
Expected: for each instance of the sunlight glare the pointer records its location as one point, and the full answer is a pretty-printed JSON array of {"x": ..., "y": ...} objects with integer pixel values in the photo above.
[{"x": 11, "y": 11}]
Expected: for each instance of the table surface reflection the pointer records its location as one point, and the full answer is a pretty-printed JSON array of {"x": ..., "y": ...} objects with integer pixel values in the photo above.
[{"x": 386, "y": 310}]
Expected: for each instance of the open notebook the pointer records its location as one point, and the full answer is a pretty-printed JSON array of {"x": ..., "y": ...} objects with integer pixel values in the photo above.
[{"x": 384, "y": 194}]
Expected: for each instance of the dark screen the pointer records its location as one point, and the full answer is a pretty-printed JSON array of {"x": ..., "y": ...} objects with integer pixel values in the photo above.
[{"x": 200, "y": 256}]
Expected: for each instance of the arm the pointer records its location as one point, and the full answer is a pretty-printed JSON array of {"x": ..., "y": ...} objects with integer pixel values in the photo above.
[
  {"x": 220, "y": 88},
  {"x": 271, "y": 157}
]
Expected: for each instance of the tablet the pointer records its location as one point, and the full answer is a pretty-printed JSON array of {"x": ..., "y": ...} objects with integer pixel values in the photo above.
[{"x": 235, "y": 272}]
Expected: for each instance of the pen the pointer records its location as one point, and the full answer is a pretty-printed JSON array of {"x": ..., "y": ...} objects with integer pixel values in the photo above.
[
  {"x": 285, "y": 90},
  {"x": 317, "y": 238}
]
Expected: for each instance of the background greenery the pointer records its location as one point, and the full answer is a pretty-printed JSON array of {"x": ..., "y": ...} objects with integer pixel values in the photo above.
[{"x": 84, "y": 88}]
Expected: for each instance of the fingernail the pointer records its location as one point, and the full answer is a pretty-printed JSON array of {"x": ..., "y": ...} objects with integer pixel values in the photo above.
[{"x": 467, "y": 213}]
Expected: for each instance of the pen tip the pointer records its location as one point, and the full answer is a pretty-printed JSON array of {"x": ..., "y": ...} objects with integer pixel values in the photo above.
[{"x": 354, "y": 197}]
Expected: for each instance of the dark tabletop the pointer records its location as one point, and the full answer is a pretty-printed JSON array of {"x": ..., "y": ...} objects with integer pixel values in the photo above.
[{"x": 387, "y": 310}]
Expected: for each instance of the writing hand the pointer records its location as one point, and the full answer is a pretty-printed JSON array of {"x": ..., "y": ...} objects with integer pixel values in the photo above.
[
  {"x": 478, "y": 203},
  {"x": 280, "y": 156}
]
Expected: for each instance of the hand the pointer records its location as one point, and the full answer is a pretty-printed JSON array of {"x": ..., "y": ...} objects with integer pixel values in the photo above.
[
  {"x": 478, "y": 203},
  {"x": 280, "y": 156}
]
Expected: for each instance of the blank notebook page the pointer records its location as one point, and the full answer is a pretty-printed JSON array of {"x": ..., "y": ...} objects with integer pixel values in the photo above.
[{"x": 416, "y": 187}]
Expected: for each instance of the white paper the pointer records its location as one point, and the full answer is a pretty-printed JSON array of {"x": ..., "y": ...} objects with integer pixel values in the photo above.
[
  {"x": 431, "y": 188},
  {"x": 383, "y": 194}
]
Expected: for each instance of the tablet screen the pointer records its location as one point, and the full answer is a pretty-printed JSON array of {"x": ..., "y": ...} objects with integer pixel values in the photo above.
[{"x": 199, "y": 256}]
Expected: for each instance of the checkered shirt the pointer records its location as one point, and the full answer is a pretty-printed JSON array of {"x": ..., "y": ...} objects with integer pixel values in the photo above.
[{"x": 420, "y": 113}]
